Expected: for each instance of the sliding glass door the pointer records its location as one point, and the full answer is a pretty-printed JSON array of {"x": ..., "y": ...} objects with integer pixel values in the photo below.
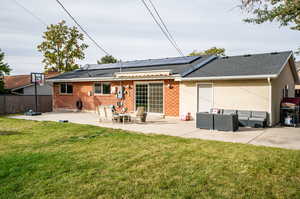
[{"x": 150, "y": 96}]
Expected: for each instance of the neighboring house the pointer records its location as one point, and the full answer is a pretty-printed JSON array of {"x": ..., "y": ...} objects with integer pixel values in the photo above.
[
  {"x": 21, "y": 85},
  {"x": 173, "y": 86},
  {"x": 297, "y": 90}
]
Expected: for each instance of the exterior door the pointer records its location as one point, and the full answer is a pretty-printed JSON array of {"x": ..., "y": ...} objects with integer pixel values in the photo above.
[
  {"x": 150, "y": 96},
  {"x": 141, "y": 96},
  {"x": 205, "y": 97},
  {"x": 156, "y": 98}
]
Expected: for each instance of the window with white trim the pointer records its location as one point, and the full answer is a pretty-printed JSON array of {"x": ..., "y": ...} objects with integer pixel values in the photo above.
[
  {"x": 102, "y": 88},
  {"x": 66, "y": 88}
]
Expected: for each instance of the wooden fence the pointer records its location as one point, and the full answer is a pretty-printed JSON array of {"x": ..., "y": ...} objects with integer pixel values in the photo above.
[{"x": 19, "y": 104}]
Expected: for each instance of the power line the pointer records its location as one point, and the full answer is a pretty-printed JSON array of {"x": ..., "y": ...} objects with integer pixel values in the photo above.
[
  {"x": 30, "y": 12},
  {"x": 82, "y": 29},
  {"x": 162, "y": 29},
  {"x": 165, "y": 26}
]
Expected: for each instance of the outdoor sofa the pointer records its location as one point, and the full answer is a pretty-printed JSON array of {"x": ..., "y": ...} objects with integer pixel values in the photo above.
[{"x": 230, "y": 120}]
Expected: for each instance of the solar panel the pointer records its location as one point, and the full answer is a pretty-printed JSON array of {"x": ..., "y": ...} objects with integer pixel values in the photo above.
[{"x": 144, "y": 63}]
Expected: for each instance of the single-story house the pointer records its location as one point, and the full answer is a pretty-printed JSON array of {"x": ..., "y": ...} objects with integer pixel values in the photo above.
[
  {"x": 173, "y": 86},
  {"x": 22, "y": 85}
]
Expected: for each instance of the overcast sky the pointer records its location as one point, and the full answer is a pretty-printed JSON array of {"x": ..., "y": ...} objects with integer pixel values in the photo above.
[{"x": 127, "y": 31}]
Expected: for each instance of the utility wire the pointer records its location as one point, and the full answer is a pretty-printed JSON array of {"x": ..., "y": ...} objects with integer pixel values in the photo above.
[
  {"x": 30, "y": 12},
  {"x": 165, "y": 26},
  {"x": 85, "y": 32},
  {"x": 161, "y": 28}
]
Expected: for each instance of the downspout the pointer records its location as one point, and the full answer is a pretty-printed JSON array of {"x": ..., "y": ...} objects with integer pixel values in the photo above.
[
  {"x": 213, "y": 94},
  {"x": 270, "y": 102}
]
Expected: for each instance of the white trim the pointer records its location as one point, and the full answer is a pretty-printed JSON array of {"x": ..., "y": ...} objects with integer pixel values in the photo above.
[
  {"x": 226, "y": 77},
  {"x": 69, "y": 94},
  {"x": 270, "y": 102},
  {"x": 105, "y": 79},
  {"x": 102, "y": 94},
  {"x": 148, "y": 82},
  {"x": 285, "y": 62}
]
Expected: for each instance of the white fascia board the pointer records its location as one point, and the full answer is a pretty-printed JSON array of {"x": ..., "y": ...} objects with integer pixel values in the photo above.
[
  {"x": 90, "y": 79},
  {"x": 226, "y": 78}
]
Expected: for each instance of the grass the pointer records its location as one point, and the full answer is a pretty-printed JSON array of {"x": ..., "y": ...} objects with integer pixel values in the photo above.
[{"x": 58, "y": 160}]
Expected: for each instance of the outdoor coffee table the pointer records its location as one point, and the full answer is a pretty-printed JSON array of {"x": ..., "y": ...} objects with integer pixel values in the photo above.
[{"x": 124, "y": 117}]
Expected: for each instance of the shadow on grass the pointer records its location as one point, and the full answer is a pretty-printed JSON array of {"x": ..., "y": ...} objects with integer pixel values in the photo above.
[{"x": 9, "y": 133}]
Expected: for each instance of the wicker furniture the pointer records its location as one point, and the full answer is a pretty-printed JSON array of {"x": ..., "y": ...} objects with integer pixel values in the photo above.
[
  {"x": 258, "y": 119},
  {"x": 205, "y": 121},
  {"x": 226, "y": 122},
  {"x": 139, "y": 116},
  {"x": 244, "y": 117}
]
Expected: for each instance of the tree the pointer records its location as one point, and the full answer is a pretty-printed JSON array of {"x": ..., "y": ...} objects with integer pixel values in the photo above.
[
  {"x": 4, "y": 70},
  {"x": 286, "y": 12},
  {"x": 210, "y": 51},
  {"x": 61, "y": 47},
  {"x": 108, "y": 59}
]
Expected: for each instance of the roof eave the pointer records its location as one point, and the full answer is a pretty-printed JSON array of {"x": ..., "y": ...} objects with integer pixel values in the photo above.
[
  {"x": 93, "y": 79},
  {"x": 226, "y": 77}
]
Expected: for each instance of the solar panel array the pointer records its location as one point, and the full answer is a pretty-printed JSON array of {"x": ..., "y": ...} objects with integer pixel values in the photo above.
[{"x": 144, "y": 63}]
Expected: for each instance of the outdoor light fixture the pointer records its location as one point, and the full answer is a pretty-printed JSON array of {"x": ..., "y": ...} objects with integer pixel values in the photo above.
[{"x": 170, "y": 86}]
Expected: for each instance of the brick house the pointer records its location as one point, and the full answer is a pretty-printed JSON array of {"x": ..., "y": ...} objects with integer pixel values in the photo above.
[
  {"x": 22, "y": 85},
  {"x": 173, "y": 86}
]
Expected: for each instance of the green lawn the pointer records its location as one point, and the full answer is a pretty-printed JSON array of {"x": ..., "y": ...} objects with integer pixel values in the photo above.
[{"x": 56, "y": 160}]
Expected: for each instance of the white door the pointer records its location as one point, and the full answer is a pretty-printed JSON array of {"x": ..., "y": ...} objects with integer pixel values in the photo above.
[{"x": 205, "y": 97}]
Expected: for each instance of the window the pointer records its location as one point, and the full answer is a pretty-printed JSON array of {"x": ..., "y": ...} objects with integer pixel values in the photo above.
[
  {"x": 102, "y": 88},
  {"x": 66, "y": 88}
]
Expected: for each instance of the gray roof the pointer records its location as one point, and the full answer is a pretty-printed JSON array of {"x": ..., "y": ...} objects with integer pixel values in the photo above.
[{"x": 245, "y": 65}]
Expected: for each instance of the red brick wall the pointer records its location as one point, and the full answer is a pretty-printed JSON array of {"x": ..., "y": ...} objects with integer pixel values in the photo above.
[
  {"x": 81, "y": 89},
  {"x": 171, "y": 100}
]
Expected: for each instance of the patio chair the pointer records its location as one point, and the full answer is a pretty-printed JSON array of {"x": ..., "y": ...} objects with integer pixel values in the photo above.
[
  {"x": 101, "y": 112},
  {"x": 244, "y": 117},
  {"x": 111, "y": 114},
  {"x": 229, "y": 112},
  {"x": 139, "y": 115},
  {"x": 258, "y": 119}
]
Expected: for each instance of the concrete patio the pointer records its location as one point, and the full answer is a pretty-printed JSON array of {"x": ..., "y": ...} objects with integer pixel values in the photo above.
[{"x": 275, "y": 137}]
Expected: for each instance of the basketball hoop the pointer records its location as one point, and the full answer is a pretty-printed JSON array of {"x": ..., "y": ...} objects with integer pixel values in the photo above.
[
  {"x": 40, "y": 82},
  {"x": 38, "y": 78}
]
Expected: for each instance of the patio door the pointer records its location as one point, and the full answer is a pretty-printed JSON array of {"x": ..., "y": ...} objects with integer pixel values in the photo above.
[
  {"x": 150, "y": 96},
  {"x": 205, "y": 97}
]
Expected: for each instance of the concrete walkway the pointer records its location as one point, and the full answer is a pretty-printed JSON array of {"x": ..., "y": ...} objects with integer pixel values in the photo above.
[{"x": 276, "y": 137}]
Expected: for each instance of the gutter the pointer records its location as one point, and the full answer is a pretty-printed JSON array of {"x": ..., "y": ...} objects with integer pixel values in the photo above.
[
  {"x": 270, "y": 102},
  {"x": 93, "y": 79},
  {"x": 226, "y": 77}
]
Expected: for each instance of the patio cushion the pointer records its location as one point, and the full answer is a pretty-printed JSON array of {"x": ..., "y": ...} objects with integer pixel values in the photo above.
[
  {"x": 229, "y": 112},
  {"x": 259, "y": 114},
  {"x": 244, "y": 114},
  {"x": 257, "y": 119},
  {"x": 243, "y": 118}
]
